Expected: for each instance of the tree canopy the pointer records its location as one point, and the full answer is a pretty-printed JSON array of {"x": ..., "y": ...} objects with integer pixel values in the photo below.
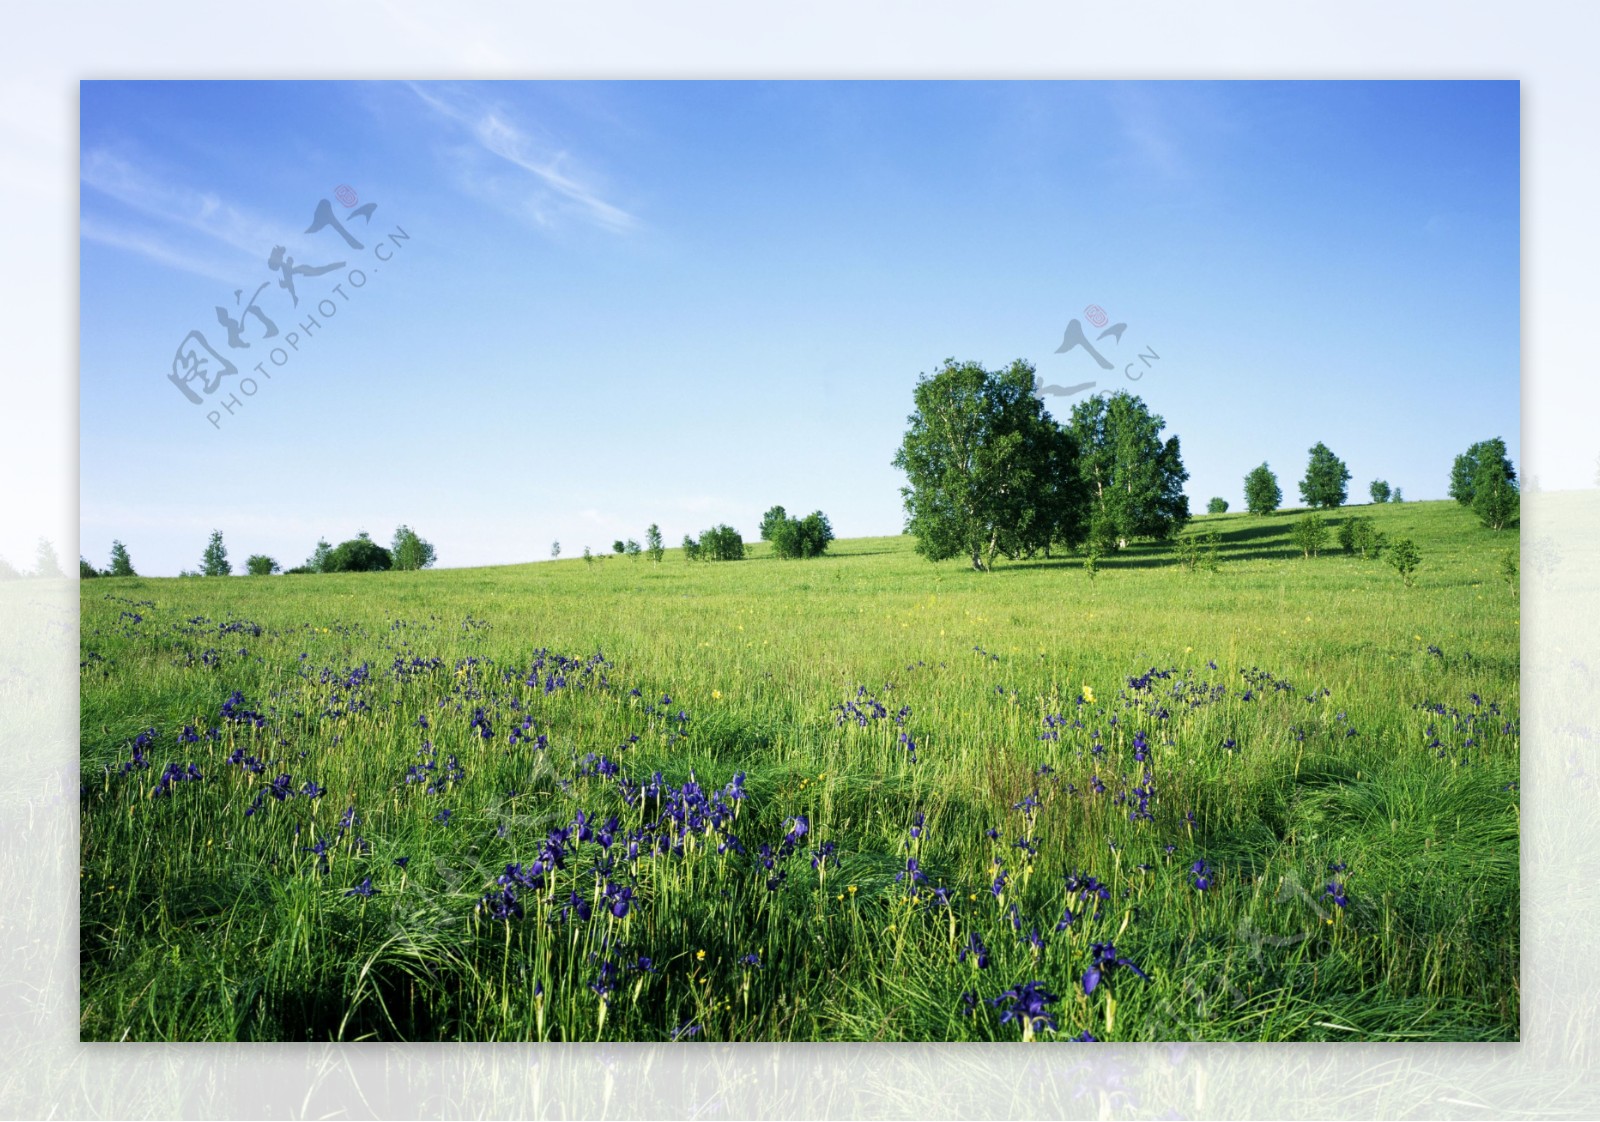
[
  {"x": 409, "y": 551},
  {"x": 1326, "y": 479},
  {"x": 1262, "y": 495},
  {"x": 988, "y": 471},
  {"x": 1134, "y": 480},
  {"x": 359, "y": 555},
  {"x": 214, "y": 561}
]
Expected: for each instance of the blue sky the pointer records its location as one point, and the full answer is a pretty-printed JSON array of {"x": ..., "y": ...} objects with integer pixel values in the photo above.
[{"x": 681, "y": 303}]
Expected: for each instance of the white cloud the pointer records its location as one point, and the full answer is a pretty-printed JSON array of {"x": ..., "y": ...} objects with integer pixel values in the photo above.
[{"x": 556, "y": 185}]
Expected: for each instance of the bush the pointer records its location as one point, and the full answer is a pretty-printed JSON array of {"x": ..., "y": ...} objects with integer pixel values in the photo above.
[
  {"x": 1379, "y": 491},
  {"x": 1187, "y": 551},
  {"x": 87, "y": 571},
  {"x": 1361, "y": 535},
  {"x": 260, "y": 565},
  {"x": 617, "y": 546},
  {"x": 721, "y": 543},
  {"x": 1509, "y": 570},
  {"x": 1405, "y": 557},
  {"x": 1310, "y": 534},
  {"x": 1217, "y": 506},
  {"x": 359, "y": 555},
  {"x": 801, "y": 537}
]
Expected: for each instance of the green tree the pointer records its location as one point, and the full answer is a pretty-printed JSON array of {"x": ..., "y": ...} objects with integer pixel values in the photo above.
[
  {"x": 1397, "y": 497},
  {"x": 1134, "y": 481},
  {"x": 988, "y": 471},
  {"x": 214, "y": 561},
  {"x": 45, "y": 562},
  {"x": 652, "y": 543},
  {"x": 409, "y": 551},
  {"x": 260, "y": 565},
  {"x": 618, "y": 547},
  {"x": 1262, "y": 494},
  {"x": 318, "y": 561},
  {"x": 1379, "y": 491},
  {"x": 1326, "y": 476},
  {"x": 770, "y": 522},
  {"x": 1310, "y": 534},
  {"x": 802, "y": 537},
  {"x": 121, "y": 563},
  {"x": 720, "y": 543},
  {"x": 1495, "y": 499},
  {"x": 1217, "y": 506},
  {"x": 555, "y": 550},
  {"x": 691, "y": 548},
  {"x": 631, "y": 548},
  {"x": 1405, "y": 557},
  {"x": 359, "y": 555},
  {"x": 87, "y": 571}
]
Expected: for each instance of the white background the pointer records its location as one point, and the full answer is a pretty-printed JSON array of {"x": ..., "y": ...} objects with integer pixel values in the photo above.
[{"x": 47, "y": 49}]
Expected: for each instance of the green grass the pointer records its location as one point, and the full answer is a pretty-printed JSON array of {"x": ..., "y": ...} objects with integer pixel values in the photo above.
[{"x": 200, "y": 921}]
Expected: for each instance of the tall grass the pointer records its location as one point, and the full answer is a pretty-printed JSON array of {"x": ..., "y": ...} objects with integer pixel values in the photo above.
[{"x": 1284, "y": 793}]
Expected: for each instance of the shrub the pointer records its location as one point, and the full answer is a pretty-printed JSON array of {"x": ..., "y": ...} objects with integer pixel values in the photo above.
[
  {"x": 1361, "y": 535},
  {"x": 1211, "y": 559},
  {"x": 721, "y": 543},
  {"x": 1310, "y": 534},
  {"x": 801, "y": 537},
  {"x": 359, "y": 555},
  {"x": 1404, "y": 556},
  {"x": 1187, "y": 550},
  {"x": 260, "y": 565},
  {"x": 1217, "y": 506},
  {"x": 1509, "y": 570}
]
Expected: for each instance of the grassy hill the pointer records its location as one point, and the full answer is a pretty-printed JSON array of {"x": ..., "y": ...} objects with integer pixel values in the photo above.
[{"x": 856, "y": 797}]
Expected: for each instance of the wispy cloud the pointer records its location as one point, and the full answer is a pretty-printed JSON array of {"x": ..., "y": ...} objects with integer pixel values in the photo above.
[
  {"x": 190, "y": 226},
  {"x": 550, "y": 182}
]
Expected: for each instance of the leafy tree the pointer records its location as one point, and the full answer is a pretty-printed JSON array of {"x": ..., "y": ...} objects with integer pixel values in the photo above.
[
  {"x": 1310, "y": 533},
  {"x": 555, "y": 549},
  {"x": 720, "y": 543},
  {"x": 588, "y": 557},
  {"x": 988, "y": 471},
  {"x": 45, "y": 562},
  {"x": 1134, "y": 481},
  {"x": 1405, "y": 557},
  {"x": 631, "y": 548},
  {"x": 359, "y": 555},
  {"x": 1361, "y": 535},
  {"x": 121, "y": 563},
  {"x": 652, "y": 543},
  {"x": 1464, "y": 471},
  {"x": 319, "y": 559},
  {"x": 214, "y": 561},
  {"x": 1217, "y": 506},
  {"x": 1509, "y": 570},
  {"x": 802, "y": 537},
  {"x": 260, "y": 565},
  {"x": 691, "y": 548},
  {"x": 1397, "y": 497},
  {"x": 87, "y": 571},
  {"x": 1495, "y": 499},
  {"x": 8, "y": 571},
  {"x": 617, "y": 546},
  {"x": 1262, "y": 494},
  {"x": 1326, "y": 476},
  {"x": 1380, "y": 491},
  {"x": 409, "y": 551},
  {"x": 770, "y": 522}
]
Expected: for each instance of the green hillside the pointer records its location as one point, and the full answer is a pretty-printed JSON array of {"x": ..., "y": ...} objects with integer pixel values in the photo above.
[{"x": 1284, "y": 792}]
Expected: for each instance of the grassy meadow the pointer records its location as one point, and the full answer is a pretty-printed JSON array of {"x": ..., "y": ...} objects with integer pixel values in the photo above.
[{"x": 860, "y": 797}]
